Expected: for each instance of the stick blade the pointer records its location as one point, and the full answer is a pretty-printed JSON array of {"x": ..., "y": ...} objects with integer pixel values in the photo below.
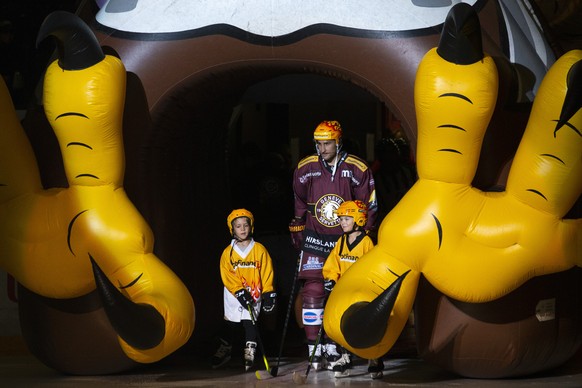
[
  {"x": 299, "y": 378},
  {"x": 274, "y": 371},
  {"x": 263, "y": 375}
]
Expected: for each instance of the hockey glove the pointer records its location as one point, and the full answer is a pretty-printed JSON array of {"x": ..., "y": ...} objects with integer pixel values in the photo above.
[
  {"x": 244, "y": 297},
  {"x": 328, "y": 285},
  {"x": 296, "y": 227},
  {"x": 269, "y": 300}
]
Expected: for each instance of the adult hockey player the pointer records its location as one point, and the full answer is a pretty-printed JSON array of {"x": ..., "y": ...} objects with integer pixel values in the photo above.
[{"x": 321, "y": 183}]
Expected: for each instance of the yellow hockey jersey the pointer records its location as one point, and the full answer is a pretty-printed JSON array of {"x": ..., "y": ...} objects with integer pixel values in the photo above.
[
  {"x": 251, "y": 268},
  {"x": 343, "y": 255}
]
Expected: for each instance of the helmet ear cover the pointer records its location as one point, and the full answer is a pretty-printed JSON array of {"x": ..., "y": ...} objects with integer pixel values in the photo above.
[
  {"x": 356, "y": 209},
  {"x": 240, "y": 213}
]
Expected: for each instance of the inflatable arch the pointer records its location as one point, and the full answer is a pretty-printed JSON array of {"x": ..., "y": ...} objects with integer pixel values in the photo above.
[
  {"x": 193, "y": 72},
  {"x": 189, "y": 68}
]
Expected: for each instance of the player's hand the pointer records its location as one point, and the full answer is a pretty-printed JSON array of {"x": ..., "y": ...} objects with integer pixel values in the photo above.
[
  {"x": 244, "y": 297},
  {"x": 328, "y": 285},
  {"x": 269, "y": 301},
  {"x": 296, "y": 228}
]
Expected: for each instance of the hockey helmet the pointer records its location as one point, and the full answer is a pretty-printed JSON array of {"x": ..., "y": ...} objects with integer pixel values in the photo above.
[
  {"x": 240, "y": 213},
  {"x": 356, "y": 209},
  {"x": 328, "y": 130}
]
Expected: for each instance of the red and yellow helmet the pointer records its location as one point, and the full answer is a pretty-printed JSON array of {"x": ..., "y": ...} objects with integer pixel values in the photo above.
[
  {"x": 356, "y": 209},
  {"x": 328, "y": 130},
  {"x": 240, "y": 213}
]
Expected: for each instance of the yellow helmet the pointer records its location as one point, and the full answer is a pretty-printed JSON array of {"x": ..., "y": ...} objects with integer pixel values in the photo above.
[
  {"x": 240, "y": 213},
  {"x": 328, "y": 130},
  {"x": 356, "y": 209}
]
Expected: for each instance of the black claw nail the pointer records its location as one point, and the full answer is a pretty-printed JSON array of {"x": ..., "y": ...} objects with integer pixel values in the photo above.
[{"x": 460, "y": 40}]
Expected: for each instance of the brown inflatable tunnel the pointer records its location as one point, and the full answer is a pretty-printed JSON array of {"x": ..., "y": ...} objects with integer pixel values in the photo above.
[
  {"x": 73, "y": 336},
  {"x": 494, "y": 339}
]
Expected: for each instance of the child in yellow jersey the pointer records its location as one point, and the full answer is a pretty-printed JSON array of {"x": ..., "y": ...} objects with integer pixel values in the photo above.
[
  {"x": 246, "y": 270},
  {"x": 352, "y": 245}
]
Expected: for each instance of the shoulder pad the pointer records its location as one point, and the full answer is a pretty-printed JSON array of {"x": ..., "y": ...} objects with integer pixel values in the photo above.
[
  {"x": 359, "y": 163},
  {"x": 307, "y": 160}
]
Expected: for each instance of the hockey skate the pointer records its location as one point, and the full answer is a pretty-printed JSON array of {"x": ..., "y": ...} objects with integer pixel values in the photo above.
[
  {"x": 343, "y": 365},
  {"x": 331, "y": 355},
  {"x": 250, "y": 350},
  {"x": 222, "y": 354},
  {"x": 375, "y": 368},
  {"x": 317, "y": 362}
]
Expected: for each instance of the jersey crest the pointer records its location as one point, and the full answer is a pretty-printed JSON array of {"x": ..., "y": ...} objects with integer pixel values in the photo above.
[{"x": 325, "y": 209}]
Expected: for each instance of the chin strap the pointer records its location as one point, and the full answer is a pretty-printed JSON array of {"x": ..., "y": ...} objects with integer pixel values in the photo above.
[
  {"x": 234, "y": 241},
  {"x": 342, "y": 242},
  {"x": 337, "y": 159},
  {"x": 334, "y": 167}
]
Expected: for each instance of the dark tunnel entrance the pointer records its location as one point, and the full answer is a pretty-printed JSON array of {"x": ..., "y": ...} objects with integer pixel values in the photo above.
[{"x": 231, "y": 139}]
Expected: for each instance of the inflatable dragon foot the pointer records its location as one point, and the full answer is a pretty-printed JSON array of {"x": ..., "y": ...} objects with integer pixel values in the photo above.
[
  {"x": 84, "y": 252},
  {"x": 472, "y": 246}
]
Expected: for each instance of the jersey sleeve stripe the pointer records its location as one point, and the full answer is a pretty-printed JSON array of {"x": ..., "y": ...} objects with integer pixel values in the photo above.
[
  {"x": 307, "y": 160},
  {"x": 356, "y": 162}
]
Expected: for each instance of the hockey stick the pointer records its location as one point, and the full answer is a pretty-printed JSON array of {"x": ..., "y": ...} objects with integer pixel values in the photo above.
[
  {"x": 261, "y": 375},
  {"x": 275, "y": 369},
  {"x": 302, "y": 378}
]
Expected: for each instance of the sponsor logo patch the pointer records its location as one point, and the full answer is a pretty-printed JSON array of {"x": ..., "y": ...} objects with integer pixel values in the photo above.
[
  {"x": 312, "y": 317},
  {"x": 312, "y": 263}
]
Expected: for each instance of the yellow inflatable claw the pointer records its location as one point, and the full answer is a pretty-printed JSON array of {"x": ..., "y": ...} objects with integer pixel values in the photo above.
[
  {"x": 473, "y": 246},
  {"x": 62, "y": 243}
]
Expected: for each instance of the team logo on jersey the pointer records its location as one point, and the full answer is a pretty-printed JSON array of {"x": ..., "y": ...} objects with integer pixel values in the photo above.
[{"x": 325, "y": 209}]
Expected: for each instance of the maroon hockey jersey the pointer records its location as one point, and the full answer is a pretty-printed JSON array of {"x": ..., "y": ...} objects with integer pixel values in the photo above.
[{"x": 318, "y": 194}]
